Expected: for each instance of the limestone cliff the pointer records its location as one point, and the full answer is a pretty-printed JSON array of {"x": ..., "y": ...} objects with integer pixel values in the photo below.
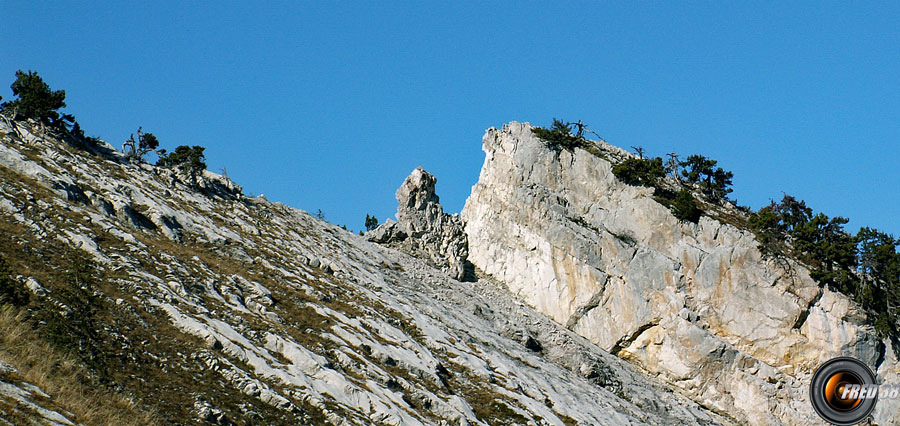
[
  {"x": 694, "y": 304},
  {"x": 217, "y": 308}
]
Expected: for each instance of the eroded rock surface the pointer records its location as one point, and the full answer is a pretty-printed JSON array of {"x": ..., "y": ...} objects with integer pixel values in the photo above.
[
  {"x": 255, "y": 312},
  {"x": 291, "y": 320},
  {"x": 695, "y": 304},
  {"x": 422, "y": 228}
]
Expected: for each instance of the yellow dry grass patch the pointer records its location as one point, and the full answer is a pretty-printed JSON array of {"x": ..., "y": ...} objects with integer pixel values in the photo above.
[{"x": 62, "y": 377}]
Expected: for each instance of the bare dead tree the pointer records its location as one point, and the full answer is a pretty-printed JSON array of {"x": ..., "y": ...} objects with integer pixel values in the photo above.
[
  {"x": 580, "y": 126},
  {"x": 10, "y": 120},
  {"x": 639, "y": 150},
  {"x": 600, "y": 138},
  {"x": 225, "y": 175},
  {"x": 581, "y": 129},
  {"x": 129, "y": 148},
  {"x": 673, "y": 163}
]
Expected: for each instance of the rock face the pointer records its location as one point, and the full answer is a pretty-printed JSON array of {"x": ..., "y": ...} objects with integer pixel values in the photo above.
[
  {"x": 422, "y": 227},
  {"x": 695, "y": 304},
  {"x": 234, "y": 310},
  {"x": 219, "y": 308}
]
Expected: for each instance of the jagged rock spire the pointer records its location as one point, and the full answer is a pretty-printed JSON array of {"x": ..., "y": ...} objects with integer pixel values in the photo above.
[{"x": 422, "y": 227}]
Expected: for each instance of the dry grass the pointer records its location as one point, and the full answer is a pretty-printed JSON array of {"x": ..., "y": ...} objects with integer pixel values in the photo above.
[{"x": 63, "y": 377}]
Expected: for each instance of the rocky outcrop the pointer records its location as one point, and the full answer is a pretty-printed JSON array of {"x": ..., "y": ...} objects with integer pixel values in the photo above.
[
  {"x": 263, "y": 314},
  {"x": 695, "y": 304},
  {"x": 268, "y": 314},
  {"x": 423, "y": 229}
]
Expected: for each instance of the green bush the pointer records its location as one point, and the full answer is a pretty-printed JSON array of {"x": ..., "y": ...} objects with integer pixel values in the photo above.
[
  {"x": 865, "y": 267},
  {"x": 684, "y": 207},
  {"x": 186, "y": 157},
  {"x": 11, "y": 291},
  {"x": 714, "y": 181},
  {"x": 559, "y": 135},
  {"x": 35, "y": 99},
  {"x": 640, "y": 171}
]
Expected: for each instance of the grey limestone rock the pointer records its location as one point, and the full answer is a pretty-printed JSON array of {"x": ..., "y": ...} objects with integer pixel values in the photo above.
[
  {"x": 694, "y": 304},
  {"x": 423, "y": 229},
  {"x": 386, "y": 232}
]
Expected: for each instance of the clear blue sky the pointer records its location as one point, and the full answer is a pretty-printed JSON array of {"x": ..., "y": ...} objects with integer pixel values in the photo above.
[{"x": 327, "y": 105}]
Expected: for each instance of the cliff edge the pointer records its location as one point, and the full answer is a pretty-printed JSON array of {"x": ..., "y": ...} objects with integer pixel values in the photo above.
[{"x": 695, "y": 304}]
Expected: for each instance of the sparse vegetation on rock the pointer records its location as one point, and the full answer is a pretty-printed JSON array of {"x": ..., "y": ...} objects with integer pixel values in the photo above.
[
  {"x": 684, "y": 206},
  {"x": 255, "y": 312},
  {"x": 259, "y": 310},
  {"x": 696, "y": 172},
  {"x": 640, "y": 171},
  {"x": 865, "y": 266},
  {"x": 559, "y": 135},
  {"x": 11, "y": 291}
]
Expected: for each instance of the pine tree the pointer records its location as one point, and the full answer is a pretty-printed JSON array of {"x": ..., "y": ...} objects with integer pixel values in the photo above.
[
  {"x": 879, "y": 276},
  {"x": 148, "y": 142},
  {"x": 371, "y": 222},
  {"x": 35, "y": 99},
  {"x": 186, "y": 158},
  {"x": 714, "y": 181}
]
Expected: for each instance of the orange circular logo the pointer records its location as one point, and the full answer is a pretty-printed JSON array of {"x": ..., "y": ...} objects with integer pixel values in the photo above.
[{"x": 843, "y": 391}]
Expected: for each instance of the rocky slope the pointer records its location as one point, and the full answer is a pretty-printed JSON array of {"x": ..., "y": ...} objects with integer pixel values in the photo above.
[
  {"x": 22, "y": 402},
  {"x": 559, "y": 296},
  {"x": 695, "y": 305},
  {"x": 218, "y": 308}
]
